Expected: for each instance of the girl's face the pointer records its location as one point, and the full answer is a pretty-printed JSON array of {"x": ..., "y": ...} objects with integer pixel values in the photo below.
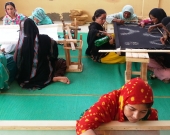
[
  {"x": 153, "y": 19},
  {"x": 101, "y": 19},
  {"x": 134, "y": 113},
  {"x": 10, "y": 10},
  {"x": 126, "y": 14}
]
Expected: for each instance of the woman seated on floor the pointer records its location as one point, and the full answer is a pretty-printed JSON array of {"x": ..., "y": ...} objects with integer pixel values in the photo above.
[
  {"x": 159, "y": 63},
  {"x": 155, "y": 17},
  {"x": 132, "y": 103},
  {"x": 126, "y": 16},
  {"x": 11, "y": 17},
  {"x": 39, "y": 17},
  {"x": 96, "y": 33},
  {"x": 36, "y": 58}
]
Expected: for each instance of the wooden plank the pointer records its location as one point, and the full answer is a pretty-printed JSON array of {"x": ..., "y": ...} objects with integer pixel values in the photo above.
[
  {"x": 128, "y": 54},
  {"x": 70, "y": 37},
  {"x": 135, "y": 50},
  {"x": 143, "y": 55},
  {"x": 71, "y": 125},
  {"x": 135, "y": 55},
  {"x": 144, "y": 71},
  {"x": 142, "y": 60}
]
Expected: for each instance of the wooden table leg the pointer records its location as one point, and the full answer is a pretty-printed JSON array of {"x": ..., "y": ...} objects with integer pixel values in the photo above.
[
  {"x": 144, "y": 71},
  {"x": 128, "y": 72}
]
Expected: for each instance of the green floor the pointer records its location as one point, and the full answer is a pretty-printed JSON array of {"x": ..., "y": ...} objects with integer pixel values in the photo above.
[{"x": 59, "y": 101}]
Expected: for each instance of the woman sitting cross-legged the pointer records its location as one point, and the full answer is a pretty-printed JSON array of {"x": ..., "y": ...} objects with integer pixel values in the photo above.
[
  {"x": 95, "y": 40},
  {"x": 36, "y": 58}
]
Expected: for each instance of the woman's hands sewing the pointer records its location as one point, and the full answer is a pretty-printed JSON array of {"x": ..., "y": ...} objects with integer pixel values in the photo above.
[{"x": 112, "y": 40}]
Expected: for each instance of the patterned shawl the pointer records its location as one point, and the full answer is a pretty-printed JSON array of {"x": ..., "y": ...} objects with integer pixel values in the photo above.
[
  {"x": 111, "y": 105},
  {"x": 7, "y": 20},
  {"x": 40, "y": 14}
]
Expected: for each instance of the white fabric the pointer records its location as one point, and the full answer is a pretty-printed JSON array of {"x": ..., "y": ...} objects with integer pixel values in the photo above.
[{"x": 9, "y": 35}]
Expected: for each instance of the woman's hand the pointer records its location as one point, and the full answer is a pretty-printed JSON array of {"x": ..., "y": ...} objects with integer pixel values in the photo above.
[
  {"x": 104, "y": 33},
  {"x": 119, "y": 21},
  {"x": 111, "y": 41},
  {"x": 151, "y": 28},
  {"x": 3, "y": 50},
  {"x": 89, "y": 132},
  {"x": 163, "y": 40},
  {"x": 142, "y": 24}
]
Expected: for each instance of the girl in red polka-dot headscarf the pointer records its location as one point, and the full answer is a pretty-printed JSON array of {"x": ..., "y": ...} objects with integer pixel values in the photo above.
[{"x": 131, "y": 103}]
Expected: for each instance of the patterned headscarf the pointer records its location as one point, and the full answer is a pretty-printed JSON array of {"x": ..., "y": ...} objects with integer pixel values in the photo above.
[
  {"x": 10, "y": 21},
  {"x": 136, "y": 91},
  {"x": 110, "y": 106},
  {"x": 39, "y": 13}
]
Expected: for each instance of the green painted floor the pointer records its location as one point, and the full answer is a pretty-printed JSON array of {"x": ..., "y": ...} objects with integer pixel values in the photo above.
[{"x": 59, "y": 101}]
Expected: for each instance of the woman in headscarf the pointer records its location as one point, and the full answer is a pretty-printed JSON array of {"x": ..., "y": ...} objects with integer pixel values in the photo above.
[
  {"x": 166, "y": 34},
  {"x": 132, "y": 103},
  {"x": 39, "y": 17},
  {"x": 126, "y": 16},
  {"x": 11, "y": 17},
  {"x": 96, "y": 33},
  {"x": 37, "y": 59},
  {"x": 155, "y": 17},
  {"x": 159, "y": 63}
]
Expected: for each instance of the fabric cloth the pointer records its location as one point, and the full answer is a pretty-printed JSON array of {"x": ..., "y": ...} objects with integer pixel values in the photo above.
[
  {"x": 11, "y": 66},
  {"x": 7, "y": 20},
  {"x": 40, "y": 14},
  {"x": 111, "y": 105},
  {"x": 119, "y": 15},
  {"x": 4, "y": 74},
  {"x": 92, "y": 50},
  {"x": 35, "y": 56}
]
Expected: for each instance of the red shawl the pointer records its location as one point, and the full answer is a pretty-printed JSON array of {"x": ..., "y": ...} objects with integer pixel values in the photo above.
[{"x": 110, "y": 106}]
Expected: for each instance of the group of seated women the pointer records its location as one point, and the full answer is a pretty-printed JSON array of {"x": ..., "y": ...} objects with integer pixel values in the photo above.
[
  {"x": 13, "y": 17},
  {"x": 35, "y": 61},
  {"x": 36, "y": 58},
  {"x": 159, "y": 62}
]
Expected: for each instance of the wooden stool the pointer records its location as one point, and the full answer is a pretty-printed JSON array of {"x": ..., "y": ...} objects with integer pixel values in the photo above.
[
  {"x": 143, "y": 58},
  {"x": 73, "y": 66}
]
